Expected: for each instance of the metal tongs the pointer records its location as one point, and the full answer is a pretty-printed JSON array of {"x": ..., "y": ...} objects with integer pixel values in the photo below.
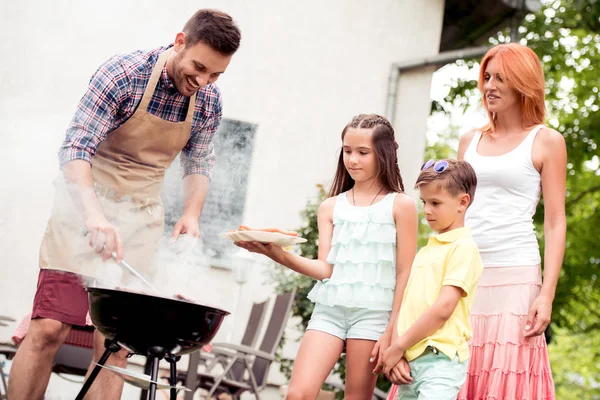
[
  {"x": 125, "y": 265},
  {"x": 134, "y": 272}
]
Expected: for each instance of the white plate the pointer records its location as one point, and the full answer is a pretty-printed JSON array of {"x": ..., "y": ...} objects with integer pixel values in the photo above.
[
  {"x": 139, "y": 379},
  {"x": 276, "y": 238}
]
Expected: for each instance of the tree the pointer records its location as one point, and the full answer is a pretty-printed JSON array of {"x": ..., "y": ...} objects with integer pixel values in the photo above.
[{"x": 566, "y": 36}]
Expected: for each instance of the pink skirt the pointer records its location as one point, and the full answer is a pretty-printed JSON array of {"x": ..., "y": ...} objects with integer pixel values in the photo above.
[{"x": 504, "y": 365}]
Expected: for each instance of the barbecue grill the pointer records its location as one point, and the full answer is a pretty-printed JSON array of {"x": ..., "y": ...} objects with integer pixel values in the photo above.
[{"x": 152, "y": 326}]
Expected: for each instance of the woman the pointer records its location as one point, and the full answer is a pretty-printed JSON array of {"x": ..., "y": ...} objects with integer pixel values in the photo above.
[{"x": 516, "y": 158}]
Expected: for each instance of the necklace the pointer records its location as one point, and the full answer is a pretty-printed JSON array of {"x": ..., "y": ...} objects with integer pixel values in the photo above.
[{"x": 354, "y": 202}]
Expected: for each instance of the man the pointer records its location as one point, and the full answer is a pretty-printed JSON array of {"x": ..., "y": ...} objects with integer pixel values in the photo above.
[{"x": 140, "y": 110}]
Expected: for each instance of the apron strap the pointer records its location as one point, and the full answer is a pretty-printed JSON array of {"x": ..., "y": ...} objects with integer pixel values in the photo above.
[
  {"x": 151, "y": 87},
  {"x": 191, "y": 109},
  {"x": 153, "y": 82}
]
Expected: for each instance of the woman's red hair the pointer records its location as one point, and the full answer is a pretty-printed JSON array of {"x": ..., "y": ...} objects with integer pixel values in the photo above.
[{"x": 521, "y": 69}]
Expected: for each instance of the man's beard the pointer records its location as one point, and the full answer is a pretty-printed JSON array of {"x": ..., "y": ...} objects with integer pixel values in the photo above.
[{"x": 178, "y": 77}]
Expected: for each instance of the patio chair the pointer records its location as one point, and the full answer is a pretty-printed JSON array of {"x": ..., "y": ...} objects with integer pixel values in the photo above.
[
  {"x": 8, "y": 351},
  {"x": 76, "y": 353},
  {"x": 247, "y": 369},
  {"x": 218, "y": 353},
  {"x": 72, "y": 358}
]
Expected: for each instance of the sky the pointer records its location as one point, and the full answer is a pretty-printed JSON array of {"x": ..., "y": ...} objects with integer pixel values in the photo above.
[{"x": 440, "y": 87}]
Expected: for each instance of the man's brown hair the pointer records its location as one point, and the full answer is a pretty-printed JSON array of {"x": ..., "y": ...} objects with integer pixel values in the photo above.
[
  {"x": 214, "y": 28},
  {"x": 459, "y": 177}
]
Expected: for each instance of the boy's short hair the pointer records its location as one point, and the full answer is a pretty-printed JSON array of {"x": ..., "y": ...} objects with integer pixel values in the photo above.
[{"x": 459, "y": 177}]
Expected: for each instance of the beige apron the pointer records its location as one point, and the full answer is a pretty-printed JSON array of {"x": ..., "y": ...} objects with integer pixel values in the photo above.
[{"x": 128, "y": 169}]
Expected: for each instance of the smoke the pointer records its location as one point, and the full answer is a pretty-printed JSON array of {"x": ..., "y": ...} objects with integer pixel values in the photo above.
[
  {"x": 176, "y": 269},
  {"x": 173, "y": 268},
  {"x": 161, "y": 265}
]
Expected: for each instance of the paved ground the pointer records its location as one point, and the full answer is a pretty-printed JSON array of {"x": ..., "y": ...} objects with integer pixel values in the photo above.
[{"x": 63, "y": 389}]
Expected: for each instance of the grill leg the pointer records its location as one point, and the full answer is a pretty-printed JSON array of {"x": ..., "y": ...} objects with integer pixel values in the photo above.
[
  {"x": 156, "y": 354},
  {"x": 147, "y": 371},
  {"x": 153, "y": 377},
  {"x": 173, "y": 379},
  {"x": 111, "y": 347}
]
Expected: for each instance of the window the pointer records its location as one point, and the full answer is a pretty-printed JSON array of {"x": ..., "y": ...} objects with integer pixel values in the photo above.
[{"x": 224, "y": 206}]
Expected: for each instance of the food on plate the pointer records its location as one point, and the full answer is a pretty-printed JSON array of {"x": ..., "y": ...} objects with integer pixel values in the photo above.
[
  {"x": 184, "y": 298},
  {"x": 242, "y": 228}
]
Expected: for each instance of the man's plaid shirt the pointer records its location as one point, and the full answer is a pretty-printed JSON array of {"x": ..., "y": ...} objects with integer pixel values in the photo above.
[{"x": 114, "y": 93}]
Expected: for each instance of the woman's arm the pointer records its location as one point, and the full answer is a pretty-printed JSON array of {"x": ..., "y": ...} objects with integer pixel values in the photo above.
[{"x": 553, "y": 155}]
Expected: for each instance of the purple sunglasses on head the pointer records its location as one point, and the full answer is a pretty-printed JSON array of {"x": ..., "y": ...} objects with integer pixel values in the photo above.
[{"x": 438, "y": 166}]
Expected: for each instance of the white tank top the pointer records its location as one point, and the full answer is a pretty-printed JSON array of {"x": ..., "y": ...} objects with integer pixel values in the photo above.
[{"x": 501, "y": 216}]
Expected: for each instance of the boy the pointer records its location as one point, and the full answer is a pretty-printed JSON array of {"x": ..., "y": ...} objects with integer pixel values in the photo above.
[{"x": 428, "y": 357}]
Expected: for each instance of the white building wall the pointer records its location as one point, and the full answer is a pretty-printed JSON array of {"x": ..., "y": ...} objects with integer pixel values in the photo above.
[{"x": 303, "y": 70}]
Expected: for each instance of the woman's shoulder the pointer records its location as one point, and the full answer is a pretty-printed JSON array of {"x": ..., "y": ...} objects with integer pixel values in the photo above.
[
  {"x": 548, "y": 144},
  {"x": 549, "y": 136},
  {"x": 466, "y": 138}
]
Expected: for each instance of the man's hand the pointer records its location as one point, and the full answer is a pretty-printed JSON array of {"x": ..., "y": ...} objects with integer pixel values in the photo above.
[
  {"x": 187, "y": 224},
  {"x": 104, "y": 237},
  {"x": 391, "y": 357}
]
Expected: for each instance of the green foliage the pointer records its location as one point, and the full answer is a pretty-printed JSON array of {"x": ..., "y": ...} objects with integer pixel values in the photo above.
[
  {"x": 573, "y": 358},
  {"x": 566, "y": 36}
]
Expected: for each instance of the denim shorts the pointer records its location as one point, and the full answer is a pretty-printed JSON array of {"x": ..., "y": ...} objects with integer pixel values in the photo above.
[
  {"x": 349, "y": 323},
  {"x": 435, "y": 377}
]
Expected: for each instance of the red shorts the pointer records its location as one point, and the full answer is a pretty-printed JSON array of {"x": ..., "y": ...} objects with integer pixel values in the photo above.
[{"x": 60, "y": 296}]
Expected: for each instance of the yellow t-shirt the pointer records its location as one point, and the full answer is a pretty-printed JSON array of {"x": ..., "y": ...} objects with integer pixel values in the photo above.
[{"x": 449, "y": 259}]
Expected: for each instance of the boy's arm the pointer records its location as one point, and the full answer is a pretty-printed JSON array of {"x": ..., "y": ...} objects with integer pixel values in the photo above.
[
  {"x": 431, "y": 320},
  {"x": 461, "y": 275}
]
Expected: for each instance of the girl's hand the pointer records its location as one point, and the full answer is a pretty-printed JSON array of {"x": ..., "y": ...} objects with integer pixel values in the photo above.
[
  {"x": 391, "y": 357},
  {"x": 539, "y": 316},
  {"x": 400, "y": 374},
  {"x": 268, "y": 249},
  {"x": 380, "y": 347}
]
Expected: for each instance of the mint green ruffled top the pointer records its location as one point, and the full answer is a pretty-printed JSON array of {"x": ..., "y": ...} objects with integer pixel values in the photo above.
[{"x": 363, "y": 255}]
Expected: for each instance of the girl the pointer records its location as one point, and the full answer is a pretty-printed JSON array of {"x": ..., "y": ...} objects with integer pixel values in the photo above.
[
  {"x": 515, "y": 157},
  {"x": 367, "y": 242}
]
